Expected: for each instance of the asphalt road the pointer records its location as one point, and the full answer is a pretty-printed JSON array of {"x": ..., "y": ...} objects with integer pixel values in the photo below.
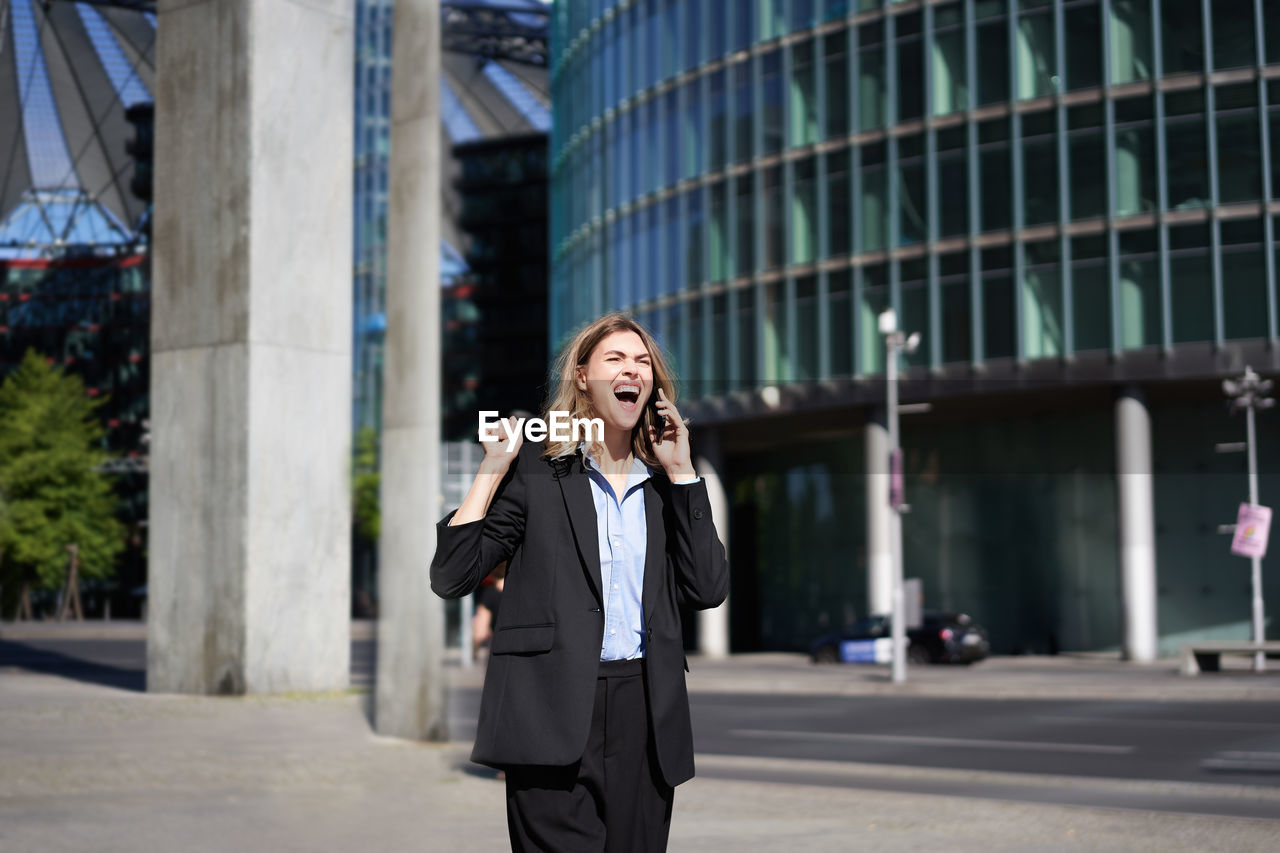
[{"x": 1189, "y": 757}]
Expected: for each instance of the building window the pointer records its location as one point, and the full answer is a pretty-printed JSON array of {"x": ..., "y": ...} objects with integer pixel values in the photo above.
[
  {"x": 915, "y": 307},
  {"x": 956, "y": 308},
  {"x": 693, "y": 129},
  {"x": 1130, "y": 40},
  {"x": 1135, "y": 190},
  {"x": 993, "y": 46},
  {"x": 804, "y": 212},
  {"x": 836, "y": 63},
  {"x": 1087, "y": 161},
  {"x": 871, "y": 79},
  {"x": 802, "y": 129},
  {"x": 913, "y": 215},
  {"x": 1239, "y": 151},
  {"x": 774, "y": 212},
  {"x": 746, "y": 321},
  {"x": 805, "y": 366},
  {"x": 718, "y": 258},
  {"x": 672, "y": 148},
  {"x": 1190, "y": 283},
  {"x": 1187, "y": 152},
  {"x": 1234, "y": 34},
  {"x": 1042, "y": 327},
  {"x": 1039, "y": 168},
  {"x": 950, "y": 70},
  {"x": 672, "y": 281},
  {"x": 1091, "y": 295},
  {"x": 910, "y": 67},
  {"x": 745, "y": 208},
  {"x": 1244, "y": 284},
  {"x": 693, "y": 55},
  {"x": 953, "y": 182},
  {"x": 777, "y": 361},
  {"x": 875, "y": 298},
  {"x": 997, "y": 302},
  {"x": 875, "y": 190},
  {"x": 839, "y": 316},
  {"x": 1037, "y": 54},
  {"x": 717, "y": 124},
  {"x": 693, "y": 239},
  {"x": 742, "y": 112},
  {"x": 1139, "y": 285},
  {"x": 771, "y": 82},
  {"x": 839, "y": 218},
  {"x": 994, "y": 171},
  {"x": 1182, "y": 35}
]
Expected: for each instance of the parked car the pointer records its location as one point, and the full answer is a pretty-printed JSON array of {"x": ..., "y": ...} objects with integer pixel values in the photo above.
[{"x": 941, "y": 638}]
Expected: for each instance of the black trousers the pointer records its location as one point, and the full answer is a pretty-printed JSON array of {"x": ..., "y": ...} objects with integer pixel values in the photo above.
[{"x": 612, "y": 801}]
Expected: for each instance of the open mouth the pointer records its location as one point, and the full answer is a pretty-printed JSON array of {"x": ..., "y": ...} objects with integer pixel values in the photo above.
[{"x": 628, "y": 395}]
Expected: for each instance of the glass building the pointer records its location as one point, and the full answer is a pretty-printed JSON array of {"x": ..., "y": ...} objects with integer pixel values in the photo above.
[{"x": 1066, "y": 198}]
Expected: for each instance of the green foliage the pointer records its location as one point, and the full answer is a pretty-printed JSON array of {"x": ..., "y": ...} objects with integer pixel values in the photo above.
[
  {"x": 365, "y": 484},
  {"x": 51, "y": 491}
]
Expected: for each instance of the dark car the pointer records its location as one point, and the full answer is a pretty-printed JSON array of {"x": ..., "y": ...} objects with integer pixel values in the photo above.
[{"x": 941, "y": 638}]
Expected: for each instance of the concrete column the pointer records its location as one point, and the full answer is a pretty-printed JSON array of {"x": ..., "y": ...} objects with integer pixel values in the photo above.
[
  {"x": 410, "y": 690},
  {"x": 1137, "y": 525},
  {"x": 713, "y": 625},
  {"x": 250, "y": 549},
  {"x": 879, "y": 517}
]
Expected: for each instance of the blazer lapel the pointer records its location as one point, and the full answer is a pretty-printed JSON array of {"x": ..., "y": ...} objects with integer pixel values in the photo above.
[
  {"x": 576, "y": 490},
  {"x": 655, "y": 552}
]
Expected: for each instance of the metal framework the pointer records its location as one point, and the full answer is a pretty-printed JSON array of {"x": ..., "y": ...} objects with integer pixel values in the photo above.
[{"x": 508, "y": 32}]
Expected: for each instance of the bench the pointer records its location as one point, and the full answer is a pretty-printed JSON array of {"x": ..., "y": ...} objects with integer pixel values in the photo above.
[{"x": 1207, "y": 657}]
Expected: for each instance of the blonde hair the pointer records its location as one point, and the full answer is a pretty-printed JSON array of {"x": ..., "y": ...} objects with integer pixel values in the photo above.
[{"x": 564, "y": 395}]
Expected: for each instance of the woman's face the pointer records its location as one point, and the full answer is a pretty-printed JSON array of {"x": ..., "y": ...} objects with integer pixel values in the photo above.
[{"x": 619, "y": 378}]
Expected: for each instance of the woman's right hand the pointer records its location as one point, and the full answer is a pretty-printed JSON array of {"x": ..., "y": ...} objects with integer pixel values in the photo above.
[
  {"x": 503, "y": 451},
  {"x": 493, "y": 467}
]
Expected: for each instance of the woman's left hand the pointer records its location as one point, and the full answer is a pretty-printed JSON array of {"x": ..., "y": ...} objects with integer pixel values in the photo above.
[{"x": 673, "y": 450}]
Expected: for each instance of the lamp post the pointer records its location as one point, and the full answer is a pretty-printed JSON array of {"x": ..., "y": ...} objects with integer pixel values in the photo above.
[
  {"x": 1250, "y": 393},
  {"x": 896, "y": 342}
]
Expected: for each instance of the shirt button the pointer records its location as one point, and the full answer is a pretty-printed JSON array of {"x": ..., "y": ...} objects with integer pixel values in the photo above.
[
  {"x": 613, "y": 630},
  {"x": 615, "y": 586}
]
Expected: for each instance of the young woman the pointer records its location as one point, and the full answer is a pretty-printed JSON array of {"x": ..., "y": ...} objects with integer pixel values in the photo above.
[{"x": 584, "y": 705}]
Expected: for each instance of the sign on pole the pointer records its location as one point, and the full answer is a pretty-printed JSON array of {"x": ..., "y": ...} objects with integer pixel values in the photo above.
[{"x": 1252, "y": 526}]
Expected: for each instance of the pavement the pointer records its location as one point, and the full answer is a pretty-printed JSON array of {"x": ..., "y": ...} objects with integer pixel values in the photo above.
[{"x": 86, "y": 766}]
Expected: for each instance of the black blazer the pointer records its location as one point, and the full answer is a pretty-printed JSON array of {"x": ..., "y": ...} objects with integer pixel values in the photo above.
[{"x": 540, "y": 685}]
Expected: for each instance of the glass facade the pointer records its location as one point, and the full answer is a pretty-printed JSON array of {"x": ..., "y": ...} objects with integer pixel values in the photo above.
[
  {"x": 1024, "y": 180},
  {"x": 1033, "y": 185}
]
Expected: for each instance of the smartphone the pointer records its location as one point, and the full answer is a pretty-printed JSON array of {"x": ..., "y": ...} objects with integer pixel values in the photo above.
[{"x": 657, "y": 420}]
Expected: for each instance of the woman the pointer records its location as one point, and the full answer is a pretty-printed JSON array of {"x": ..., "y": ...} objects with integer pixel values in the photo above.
[{"x": 584, "y": 705}]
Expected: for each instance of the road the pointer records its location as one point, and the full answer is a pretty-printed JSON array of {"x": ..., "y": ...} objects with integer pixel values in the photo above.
[{"x": 1202, "y": 757}]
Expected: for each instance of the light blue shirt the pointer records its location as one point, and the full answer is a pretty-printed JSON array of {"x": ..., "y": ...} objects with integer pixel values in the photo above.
[{"x": 622, "y": 532}]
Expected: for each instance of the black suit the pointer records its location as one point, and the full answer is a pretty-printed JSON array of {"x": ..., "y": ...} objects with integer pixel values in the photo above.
[{"x": 540, "y": 685}]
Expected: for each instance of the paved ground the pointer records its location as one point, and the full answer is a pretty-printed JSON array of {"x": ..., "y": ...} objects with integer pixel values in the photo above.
[{"x": 90, "y": 766}]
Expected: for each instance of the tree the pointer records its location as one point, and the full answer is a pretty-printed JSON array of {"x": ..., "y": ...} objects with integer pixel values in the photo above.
[
  {"x": 53, "y": 494},
  {"x": 365, "y": 483}
]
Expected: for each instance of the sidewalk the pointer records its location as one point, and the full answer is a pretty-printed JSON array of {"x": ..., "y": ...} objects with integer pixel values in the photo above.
[
  {"x": 85, "y": 767},
  {"x": 89, "y": 767}
]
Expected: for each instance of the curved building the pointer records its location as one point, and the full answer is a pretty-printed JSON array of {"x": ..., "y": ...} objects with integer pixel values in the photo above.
[{"x": 1071, "y": 201}]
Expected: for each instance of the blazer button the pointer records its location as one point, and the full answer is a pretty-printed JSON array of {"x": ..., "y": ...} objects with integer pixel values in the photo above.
[{"x": 697, "y": 513}]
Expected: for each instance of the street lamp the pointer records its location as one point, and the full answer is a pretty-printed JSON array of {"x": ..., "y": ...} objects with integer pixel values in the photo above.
[
  {"x": 896, "y": 342},
  {"x": 1250, "y": 393}
]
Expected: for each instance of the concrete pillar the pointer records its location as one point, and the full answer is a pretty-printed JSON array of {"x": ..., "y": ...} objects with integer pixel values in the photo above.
[
  {"x": 1137, "y": 525},
  {"x": 713, "y": 625},
  {"x": 250, "y": 548},
  {"x": 410, "y": 699},
  {"x": 879, "y": 516}
]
